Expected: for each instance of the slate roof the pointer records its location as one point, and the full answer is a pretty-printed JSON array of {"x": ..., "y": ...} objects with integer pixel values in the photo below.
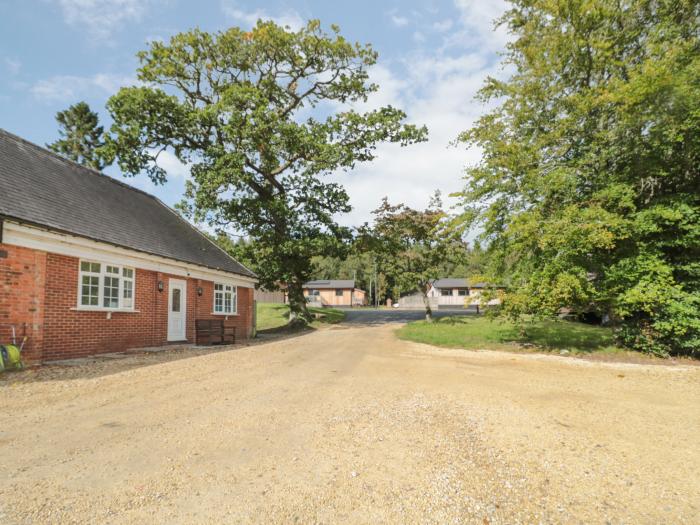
[
  {"x": 337, "y": 283},
  {"x": 451, "y": 282},
  {"x": 41, "y": 188}
]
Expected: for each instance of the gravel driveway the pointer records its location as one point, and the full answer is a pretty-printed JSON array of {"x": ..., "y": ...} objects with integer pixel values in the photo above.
[{"x": 350, "y": 425}]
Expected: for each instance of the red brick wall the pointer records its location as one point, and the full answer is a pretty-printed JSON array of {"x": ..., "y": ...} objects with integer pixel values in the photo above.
[
  {"x": 244, "y": 318},
  {"x": 22, "y": 276},
  {"x": 40, "y": 290}
]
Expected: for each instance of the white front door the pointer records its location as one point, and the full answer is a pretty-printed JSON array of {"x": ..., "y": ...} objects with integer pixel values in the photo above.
[{"x": 177, "y": 310}]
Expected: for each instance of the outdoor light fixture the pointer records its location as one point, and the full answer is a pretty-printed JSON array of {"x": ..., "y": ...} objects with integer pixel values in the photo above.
[
  {"x": 200, "y": 291},
  {"x": 160, "y": 286}
]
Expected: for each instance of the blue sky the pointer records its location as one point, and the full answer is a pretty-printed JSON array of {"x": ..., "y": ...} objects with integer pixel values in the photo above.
[{"x": 433, "y": 56}]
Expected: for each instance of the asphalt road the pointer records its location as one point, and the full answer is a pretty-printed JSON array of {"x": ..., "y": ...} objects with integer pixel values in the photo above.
[{"x": 372, "y": 316}]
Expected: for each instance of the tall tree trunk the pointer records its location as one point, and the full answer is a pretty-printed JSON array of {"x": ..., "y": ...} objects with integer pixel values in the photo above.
[
  {"x": 428, "y": 310},
  {"x": 298, "y": 312}
]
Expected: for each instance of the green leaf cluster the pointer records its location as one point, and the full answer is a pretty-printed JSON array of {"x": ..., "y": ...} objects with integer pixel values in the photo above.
[
  {"x": 413, "y": 246},
  {"x": 81, "y": 136},
  {"x": 261, "y": 116},
  {"x": 588, "y": 193}
]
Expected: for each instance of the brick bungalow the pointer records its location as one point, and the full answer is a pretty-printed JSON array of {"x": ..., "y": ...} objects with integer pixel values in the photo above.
[{"x": 89, "y": 264}]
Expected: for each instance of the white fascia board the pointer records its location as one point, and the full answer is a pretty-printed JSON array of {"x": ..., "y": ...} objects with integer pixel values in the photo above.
[{"x": 82, "y": 248}]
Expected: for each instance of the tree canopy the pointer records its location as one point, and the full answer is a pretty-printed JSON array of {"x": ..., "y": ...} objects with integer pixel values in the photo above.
[
  {"x": 261, "y": 116},
  {"x": 412, "y": 246},
  {"x": 588, "y": 191},
  {"x": 81, "y": 136}
]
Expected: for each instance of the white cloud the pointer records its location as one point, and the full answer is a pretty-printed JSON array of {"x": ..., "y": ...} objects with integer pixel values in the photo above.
[
  {"x": 100, "y": 18},
  {"x": 173, "y": 167},
  {"x": 63, "y": 88},
  {"x": 289, "y": 17},
  {"x": 398, "y": 20},
  {"x": 437, "y": 89},
  {"x": 477, "y": 20},
  {"x": 443, "y": 25}
]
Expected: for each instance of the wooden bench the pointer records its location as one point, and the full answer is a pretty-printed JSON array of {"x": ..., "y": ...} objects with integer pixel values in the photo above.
[{"x": 214, "y": 332}]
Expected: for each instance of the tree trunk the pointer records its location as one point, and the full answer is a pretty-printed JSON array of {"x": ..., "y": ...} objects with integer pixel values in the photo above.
[
  {"x": 428, "y": 310},
  {"x": 298, "y": 311}
]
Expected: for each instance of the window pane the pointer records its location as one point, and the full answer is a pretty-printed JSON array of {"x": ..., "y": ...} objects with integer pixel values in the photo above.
[
  {"x": 446, "y": 292},
  {"x": 112, "y": 269},
  {"x": 339, "y": 293},
  {"x": 218, "y": 300},
  {"x": 218, "y": 287},
  {"x": 89, "y": 290},
  {"x": 176, "y": 300},
  {"x": 95, "y": 267},
  {"x": 111, "y": 292},
  {"x": 128, "y": 293},
  {"x": 84, "y": 266},
  {"x": 128, "y": 273}
]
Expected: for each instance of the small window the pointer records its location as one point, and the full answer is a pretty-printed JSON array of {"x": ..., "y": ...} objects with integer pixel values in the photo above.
[
  {"x": 445, "y": 292},
  {"x": 225, "y": 298},
  {"x": 176, "y": 300},
  {"x": 463, "y": 292},
  {"x": 90, "y": 290},
  {"x": 105, "y": 285},
  {"x": 111, "y": 292},
  {"x": 339, "y": 292},
  {"x": 127, "y": 287},
  {"x": 314, "y": 292}
]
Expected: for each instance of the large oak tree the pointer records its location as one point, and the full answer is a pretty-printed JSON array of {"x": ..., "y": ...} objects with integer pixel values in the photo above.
[{"x": 261, "y": 116}]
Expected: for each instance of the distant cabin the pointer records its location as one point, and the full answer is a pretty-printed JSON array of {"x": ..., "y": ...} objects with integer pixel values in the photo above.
[
  {"x": 340, "y": 292},
  {"x": 448, "y": 292}
]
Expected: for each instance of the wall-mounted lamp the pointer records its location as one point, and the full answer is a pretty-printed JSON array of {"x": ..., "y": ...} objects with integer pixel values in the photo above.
[
  {"x": 200, "y": 291},
  {"x": 160, "y": 286}
]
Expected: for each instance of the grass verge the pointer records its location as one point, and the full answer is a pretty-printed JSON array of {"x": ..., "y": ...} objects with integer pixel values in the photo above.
[
  {"x": 477, "y": 333},
  {"x": 271, "y": 316}
]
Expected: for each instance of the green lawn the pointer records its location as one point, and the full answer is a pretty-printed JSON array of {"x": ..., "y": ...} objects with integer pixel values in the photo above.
[
  {"x": 271, "y": 316},
  {"x": 481, "y": 333}
]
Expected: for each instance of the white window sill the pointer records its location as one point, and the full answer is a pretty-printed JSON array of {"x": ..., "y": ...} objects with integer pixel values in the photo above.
[
  {"x": 103, "y": 309},
  {"x": 227, "y": 315}
]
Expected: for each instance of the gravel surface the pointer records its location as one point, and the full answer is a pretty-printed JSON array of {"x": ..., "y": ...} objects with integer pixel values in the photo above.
[{"x": 350, "y": 425}]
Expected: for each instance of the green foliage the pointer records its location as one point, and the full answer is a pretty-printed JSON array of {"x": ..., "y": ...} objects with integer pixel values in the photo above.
[
  {"x": 589, "y": 188},
  {"x": 480, "y": 333},
  {"x": 367, "y": 268},
  {"x": 239, "y": 107},
  {"x": 81, "y": 136},
  {"x": 411, "y": 246}
]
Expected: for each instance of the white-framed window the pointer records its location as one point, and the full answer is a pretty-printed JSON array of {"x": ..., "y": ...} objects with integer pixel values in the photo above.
[
  {"x": 225, "y": 298},
  {"x": 103, "y": 285}
]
